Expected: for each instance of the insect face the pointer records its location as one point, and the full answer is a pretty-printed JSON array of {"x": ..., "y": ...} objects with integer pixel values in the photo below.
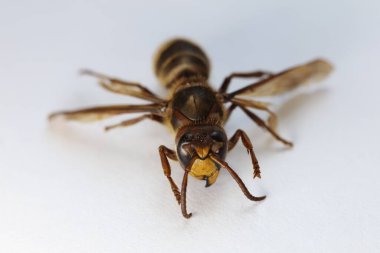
[{"x": 196, "y": 143}]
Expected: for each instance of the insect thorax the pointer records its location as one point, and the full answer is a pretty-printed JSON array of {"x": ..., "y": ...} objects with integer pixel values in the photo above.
[{"x": 195, "y": 104}]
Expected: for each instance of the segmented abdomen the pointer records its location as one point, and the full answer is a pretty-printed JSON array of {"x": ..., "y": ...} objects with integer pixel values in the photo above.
[{"x": 180, "y": 58}]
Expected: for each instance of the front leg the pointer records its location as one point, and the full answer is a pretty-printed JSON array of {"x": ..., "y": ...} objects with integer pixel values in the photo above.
[
  {"x": 180, "y": 197},
  {"x": 248, "y": 145},
  {"x": 164, "y": 154}
]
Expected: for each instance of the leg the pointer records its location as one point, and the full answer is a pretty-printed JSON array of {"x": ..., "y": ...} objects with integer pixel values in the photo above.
[
  {"x": 183, "y": 195},
  {"x": 272, "y": 120},
  {"x": 164, "y": 154},
  {"x": 104, "y": 112},
  {"x": 236, "y": 178},
  {"x": 125, "y": 88},
  {"x": 228, "y": 79},
  {"x": 240, "y": 134},
  {"x": 136, "y": 120},
  {"x": 262, "y": 124},
  {"x": 229, "y": 111}
]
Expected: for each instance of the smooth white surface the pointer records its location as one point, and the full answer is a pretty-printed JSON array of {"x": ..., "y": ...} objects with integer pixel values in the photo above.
[{"x": 73, "y": 188}]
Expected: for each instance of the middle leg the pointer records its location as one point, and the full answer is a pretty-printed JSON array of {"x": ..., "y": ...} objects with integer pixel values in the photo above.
[
  {"x": 263, "y": 106},
  {"x": 235, "y": 102},
  {"x": 262, "y": 124},
  {"x": 223, "y": 88}
]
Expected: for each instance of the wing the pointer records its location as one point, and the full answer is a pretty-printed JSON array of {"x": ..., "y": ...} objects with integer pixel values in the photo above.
[
  {"x": 287, "y": 80},
  {"x": 104, "y": 112}
]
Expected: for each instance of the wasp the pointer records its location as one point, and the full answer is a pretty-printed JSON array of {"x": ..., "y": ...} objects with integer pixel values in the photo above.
[{"x": 197, "y": 113}]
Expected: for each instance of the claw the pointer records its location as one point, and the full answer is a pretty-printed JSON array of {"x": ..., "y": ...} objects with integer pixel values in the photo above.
[{"x": 256, "y": 174}]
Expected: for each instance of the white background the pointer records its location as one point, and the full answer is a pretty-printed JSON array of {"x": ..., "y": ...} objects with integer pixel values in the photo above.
[{"x": 68, "y": 187}]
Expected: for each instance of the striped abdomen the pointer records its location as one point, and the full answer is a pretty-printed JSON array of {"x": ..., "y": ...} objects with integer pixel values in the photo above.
[{"x": 180, "y": 58}]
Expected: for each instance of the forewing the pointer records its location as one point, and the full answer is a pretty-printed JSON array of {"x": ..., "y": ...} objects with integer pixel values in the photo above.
[{"x": 287, "y": 80}]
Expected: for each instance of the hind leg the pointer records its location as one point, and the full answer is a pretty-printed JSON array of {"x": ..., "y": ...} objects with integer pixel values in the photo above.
[{"x": 124, "y": 87}]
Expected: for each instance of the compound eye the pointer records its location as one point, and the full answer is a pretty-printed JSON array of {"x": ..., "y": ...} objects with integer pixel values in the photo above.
[
  {"x": 188, "y": 137},
  {"x": 217, "y": 135}
]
